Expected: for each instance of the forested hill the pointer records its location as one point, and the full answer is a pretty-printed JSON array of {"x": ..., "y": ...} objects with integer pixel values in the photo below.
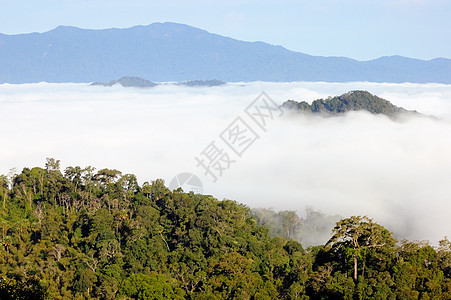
[
  {"x": 86, "y": 234},
  {"x": 351, "y": 101}
]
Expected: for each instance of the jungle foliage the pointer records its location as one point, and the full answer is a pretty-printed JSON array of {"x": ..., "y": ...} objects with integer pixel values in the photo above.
[{"x": 82, "y": 234}]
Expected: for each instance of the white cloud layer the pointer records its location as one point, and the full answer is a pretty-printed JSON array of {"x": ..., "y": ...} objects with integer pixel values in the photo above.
[{"x": 358, "y": 164}]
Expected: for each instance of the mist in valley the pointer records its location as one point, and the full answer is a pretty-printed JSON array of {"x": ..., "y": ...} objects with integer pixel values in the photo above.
[{"x": 396, "y": 172}]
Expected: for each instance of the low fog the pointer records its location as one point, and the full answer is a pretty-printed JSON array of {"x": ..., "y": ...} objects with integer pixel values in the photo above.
[{"x": 397, "y": 172}]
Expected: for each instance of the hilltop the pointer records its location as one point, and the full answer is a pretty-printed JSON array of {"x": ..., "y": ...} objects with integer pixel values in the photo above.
[
  {"x": 351, "y": 101},
  {"x": 143, "y": 83},
  {"x": 128, "y": 82}
]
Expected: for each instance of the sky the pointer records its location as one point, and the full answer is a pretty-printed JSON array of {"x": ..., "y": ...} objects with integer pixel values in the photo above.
[
  {"x": 397, "y": 172},
  {"x": 359, "y": 29}
]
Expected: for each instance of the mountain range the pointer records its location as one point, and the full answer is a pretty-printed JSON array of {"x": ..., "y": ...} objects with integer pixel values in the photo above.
[{"x": 176, "y": 52}]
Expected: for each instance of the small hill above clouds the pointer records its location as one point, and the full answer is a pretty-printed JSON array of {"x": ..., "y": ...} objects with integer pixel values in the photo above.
[
  {"x": 351, "y": 101},
  {"x": 143, "y": 83},
  {"x": 202, "y": 83},
  {"x": 128, "y": 82},
  {"x": 165, "y": 52}
]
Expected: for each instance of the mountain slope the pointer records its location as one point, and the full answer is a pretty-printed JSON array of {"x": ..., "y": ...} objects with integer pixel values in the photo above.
[
  {"x": 176, "y": 52},
  {"x": 351, "y": 101},
  {"x": 81, "y": 234}
]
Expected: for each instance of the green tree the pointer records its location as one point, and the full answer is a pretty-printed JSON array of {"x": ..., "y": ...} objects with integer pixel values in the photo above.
[
  {"x": 153, "y": 286},
  {"x": 356, "y": 235},
  {"x": 31, "y": 289}
]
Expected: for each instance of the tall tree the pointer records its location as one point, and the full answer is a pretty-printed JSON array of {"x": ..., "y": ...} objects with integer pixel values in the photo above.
[{"x": 357, "y": 234}]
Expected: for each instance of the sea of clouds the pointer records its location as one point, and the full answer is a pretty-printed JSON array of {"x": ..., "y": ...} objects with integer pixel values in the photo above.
[{"x": 397, "y": 172}]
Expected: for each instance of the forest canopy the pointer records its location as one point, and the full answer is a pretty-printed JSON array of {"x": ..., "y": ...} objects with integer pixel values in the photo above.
[
  {"x": 350, "y": 101},
  {"x": 79, "y": 233}
]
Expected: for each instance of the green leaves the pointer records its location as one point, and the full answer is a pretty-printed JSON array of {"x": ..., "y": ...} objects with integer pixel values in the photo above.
[
  {"x": 31, "y": 289},
  {"x": 356, "y": 236},
  {"x": 153, "y": 286},
  {"x": 103, "y": 237}
]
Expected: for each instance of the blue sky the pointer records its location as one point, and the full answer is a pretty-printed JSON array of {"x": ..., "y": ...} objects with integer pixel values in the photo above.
[{"x": 360, "y": 29}]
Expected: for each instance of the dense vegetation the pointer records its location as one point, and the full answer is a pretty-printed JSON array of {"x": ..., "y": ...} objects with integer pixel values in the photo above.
[
  {"x": 99, "y": 235},
  {"x": 351, "y": 101}
]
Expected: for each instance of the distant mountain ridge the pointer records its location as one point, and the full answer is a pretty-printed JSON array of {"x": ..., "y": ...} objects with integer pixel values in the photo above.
[
  {"x": 177, "y": 52},
  {"x": 350, "y": 101}
]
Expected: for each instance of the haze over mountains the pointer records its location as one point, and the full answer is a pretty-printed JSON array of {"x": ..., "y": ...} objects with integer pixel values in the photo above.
[{"x": 176, "y": 52}]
